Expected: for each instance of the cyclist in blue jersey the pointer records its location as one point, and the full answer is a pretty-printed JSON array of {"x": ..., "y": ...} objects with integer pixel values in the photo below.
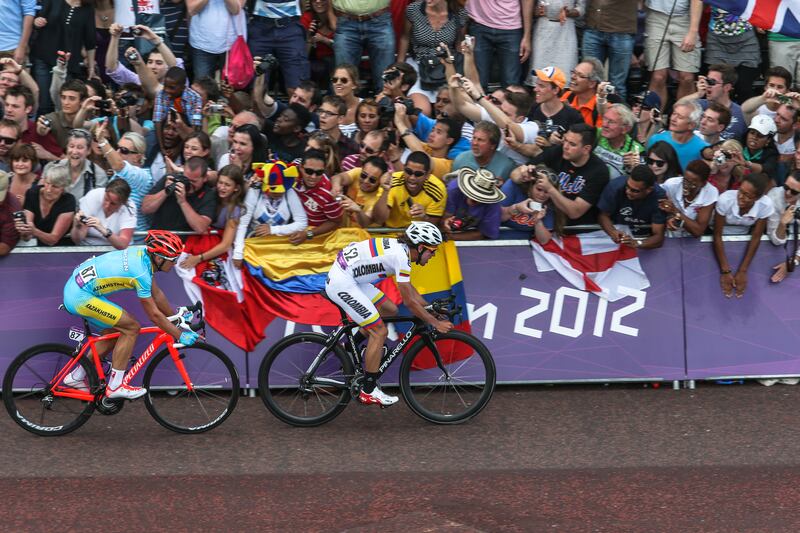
[
  {"x": 350, "y": 286},
  {"x": 129, "y": 269}
]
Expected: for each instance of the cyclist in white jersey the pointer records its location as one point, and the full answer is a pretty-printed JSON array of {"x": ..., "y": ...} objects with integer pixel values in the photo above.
[{"x": 350, "y": 285}]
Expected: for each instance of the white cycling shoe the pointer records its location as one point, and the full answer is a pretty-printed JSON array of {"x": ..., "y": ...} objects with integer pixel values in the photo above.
[
  {"x": 377, "y": 396},
  {"x": 126, "y": 392},
  {"x": 73, "y": 383}
]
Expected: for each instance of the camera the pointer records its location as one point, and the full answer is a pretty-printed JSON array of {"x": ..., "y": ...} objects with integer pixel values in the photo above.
[
  {"x": 216, "y": 108},
  {"x": 722, "y": 158},
  {"x": 655, "y": 113},
  {"x": 19, "y": 215},
  {"x": 84, "y": 219},
  {"x": 548, "y": 128},
  {"x": 313, "y": 28},
  {"x": 390, "y": 75},
  {"x": 176, "y": 179},
  {"x": 386, "y": 110},
  {"x": 609, "y": 89},
  {"x": 533, "y": 205},
  {"x": 441, "y": 51},
  {"x": 132, "y": 56},
  {"x": 137, "y": 31},
  {"x": 268, "y": 63},
  {"x": 783, "y": 99},
  {"x": 126, "y": 99},
  {"x": 46, "y": 122},
  {"x": 711, "y": 82},
  {"x": 104, "y": 107}
]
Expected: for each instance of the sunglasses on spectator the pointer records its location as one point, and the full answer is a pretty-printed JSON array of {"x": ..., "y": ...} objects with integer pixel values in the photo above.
[
  {"x": 657, "y": 162},
  {"x": 80, "y": 133},
  {"x": 7, "y": 140},
  {"x": 340, "y": 80},
  {"x": 314, "y": 171},
  {"x": 367, "y": 149},
  {"x": 417, "y": 173},
  {"x": 790, "y": 190},
  {"x": 126, "y": 151},
  {"x": 366, "y": 177}
]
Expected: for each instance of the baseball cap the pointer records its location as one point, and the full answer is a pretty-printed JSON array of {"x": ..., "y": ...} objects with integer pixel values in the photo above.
[
  {"x": 651, "y": 100},
  {"x": 549, "y": 74},
  {"x": 763, "y": 125}
]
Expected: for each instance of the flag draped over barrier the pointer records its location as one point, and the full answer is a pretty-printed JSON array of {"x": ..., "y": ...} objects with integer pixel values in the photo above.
[
  {"x": 779, "y": 16},
  {"x": 592, "y": 262},
  {"x": 281, "y": 280}
]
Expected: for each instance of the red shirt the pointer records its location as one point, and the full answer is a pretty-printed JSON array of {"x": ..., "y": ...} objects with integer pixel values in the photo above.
[
  {"x": 8, "y": 233},
  {"x": 319, "y": 203},
  {"x": 48, "y": 142},
  {"x": 321, "y": 50}
]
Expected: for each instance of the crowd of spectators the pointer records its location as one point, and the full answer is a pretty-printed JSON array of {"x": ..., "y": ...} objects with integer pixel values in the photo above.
[{"x": 492, "y": 118}]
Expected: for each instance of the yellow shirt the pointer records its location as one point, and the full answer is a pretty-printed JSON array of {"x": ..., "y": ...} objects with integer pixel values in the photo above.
[
  {"x": 439, "y": 165},
  {"x": 433, "y": 197},
  {"x": 366, "y": 200}
]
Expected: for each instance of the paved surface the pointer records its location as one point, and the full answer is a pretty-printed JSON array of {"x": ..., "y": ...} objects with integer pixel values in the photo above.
[{"x": 567, "y": 458}]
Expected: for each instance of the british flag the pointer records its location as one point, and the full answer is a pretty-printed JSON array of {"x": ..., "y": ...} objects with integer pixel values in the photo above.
[{"x": 779, "y": 16}]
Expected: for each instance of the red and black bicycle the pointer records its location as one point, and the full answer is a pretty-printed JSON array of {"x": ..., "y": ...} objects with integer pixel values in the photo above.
[{"x": 190, "y": 389}]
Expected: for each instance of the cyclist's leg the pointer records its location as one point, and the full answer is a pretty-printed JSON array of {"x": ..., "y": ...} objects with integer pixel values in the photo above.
[{"x": 128, "y": 328}]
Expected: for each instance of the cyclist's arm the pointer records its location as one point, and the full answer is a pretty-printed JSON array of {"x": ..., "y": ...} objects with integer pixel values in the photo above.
[
  {"x": 157, "y": 308},
  {"x": 416, "y": 304}
]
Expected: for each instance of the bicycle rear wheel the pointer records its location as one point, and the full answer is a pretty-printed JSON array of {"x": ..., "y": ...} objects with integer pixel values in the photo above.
[
  {"x": 214, "y": 394},
  {"x": 297, "y": 397},
  {"x": 28, "y": 396},
  {"x": 454, "y": 399}
]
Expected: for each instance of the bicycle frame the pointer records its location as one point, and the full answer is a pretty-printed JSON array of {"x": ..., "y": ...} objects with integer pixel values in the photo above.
[
  {"x": 162, "y": 338},
  {"x": 418, "y": 328}
]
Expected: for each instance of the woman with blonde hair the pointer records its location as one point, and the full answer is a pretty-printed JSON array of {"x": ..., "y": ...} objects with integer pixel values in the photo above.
[{"x": 48, "y": 209}]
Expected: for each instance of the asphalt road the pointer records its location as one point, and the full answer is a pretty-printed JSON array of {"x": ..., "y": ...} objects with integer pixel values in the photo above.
[{"x": 566, "y": 458}]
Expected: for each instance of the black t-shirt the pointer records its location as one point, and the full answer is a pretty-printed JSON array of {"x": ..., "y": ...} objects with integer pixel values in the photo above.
[
  {"x": 170, "y": 216},
  {"x": 564, "y": 118},
  {"x": 586, "y": 182},
  {"x": 65, "y": 204}
]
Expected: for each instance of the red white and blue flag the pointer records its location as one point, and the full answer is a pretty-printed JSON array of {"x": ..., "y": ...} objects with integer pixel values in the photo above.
[
  {"x": 779, "y": 16},
  {"x": 592, "y": 262}
]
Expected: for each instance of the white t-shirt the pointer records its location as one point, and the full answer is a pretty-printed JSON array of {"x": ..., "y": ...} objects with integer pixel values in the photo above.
[
  {"x": 123, "y": 10},
  {"x": 531, "y": 130},
  {"x": 707, "y": 196},
  {"x": 214, "y": 29},
  {"x": 739, "y": 224},
  {"x": 786, "y": 148},
  {"x": 91, "y": 205}
]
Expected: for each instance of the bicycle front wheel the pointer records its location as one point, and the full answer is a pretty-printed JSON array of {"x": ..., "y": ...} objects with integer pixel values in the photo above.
[
  {"x": 28, "y": 394},
  {"x": 453, "y": 397},
  {"x": 213, "y": 395},
  {"x": 296, "y": 396}
]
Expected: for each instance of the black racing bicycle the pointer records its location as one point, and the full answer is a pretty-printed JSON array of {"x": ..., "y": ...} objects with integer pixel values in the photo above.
[{"x": 307, "y": 379}]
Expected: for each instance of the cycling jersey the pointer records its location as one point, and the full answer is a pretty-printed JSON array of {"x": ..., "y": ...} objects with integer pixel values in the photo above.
[
  {"x": 129, "y": 269},
  {"x": 357, "y": 267}
]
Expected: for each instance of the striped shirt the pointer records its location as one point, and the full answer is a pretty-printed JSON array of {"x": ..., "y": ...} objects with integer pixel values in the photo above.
[
  {"x": 318, "y": 201},
  {"x": 277, "y": 10}
]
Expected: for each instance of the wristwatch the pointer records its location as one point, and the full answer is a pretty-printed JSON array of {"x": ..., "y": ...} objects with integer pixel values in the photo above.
[
  {"x": 309, "y": 235},
  {"x": 108, "y": 234}
]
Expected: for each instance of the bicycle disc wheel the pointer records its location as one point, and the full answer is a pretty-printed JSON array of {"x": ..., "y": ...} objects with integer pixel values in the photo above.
[
  {"x": 296, "y": 397},
  {"x": 214, "y": 394},
  {"x": 448, "y": 400},
  {"x": 27, "y": 393}
]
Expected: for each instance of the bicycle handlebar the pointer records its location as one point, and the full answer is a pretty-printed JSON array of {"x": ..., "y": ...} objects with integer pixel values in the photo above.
[
  {"x": 180, "y": 320},
  {"x": 444, "y": 307}
]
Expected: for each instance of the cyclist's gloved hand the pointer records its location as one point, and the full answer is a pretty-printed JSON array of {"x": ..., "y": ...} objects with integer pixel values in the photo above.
[
  {"x": 188, "y": 338},
  {"x": 187, "y": 315}
]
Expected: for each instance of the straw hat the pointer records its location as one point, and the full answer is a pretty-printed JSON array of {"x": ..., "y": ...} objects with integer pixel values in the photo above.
[{"x": 479, "y": 185}]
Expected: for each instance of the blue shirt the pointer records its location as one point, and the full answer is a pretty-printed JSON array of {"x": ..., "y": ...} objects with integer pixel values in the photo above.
[
  {"x": 423, "y": 129},
  {"x": 622, "y": 210},
  {"x": 483, "y": 217},
  {"x": 12, "y": 15},
  {"x": 687, "y": 152},
  {"x": 141, "y": 182},
  {"x": 738, "y": 126}
]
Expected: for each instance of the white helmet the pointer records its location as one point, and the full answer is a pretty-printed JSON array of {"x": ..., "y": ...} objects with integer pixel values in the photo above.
[{"x": 424, "y": 233}]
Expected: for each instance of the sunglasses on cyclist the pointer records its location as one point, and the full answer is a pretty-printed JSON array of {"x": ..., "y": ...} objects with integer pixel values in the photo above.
[
  {"x": 126, "y": 151},
  {"x": 7, "y": 140},
  {"x": 657, "y": 162},
  {"x": 791, "y": 191},
  {"x": 431, "y": 249},
  {"x": 314, "y": 171},
  {"x": 417, "y": 173}
]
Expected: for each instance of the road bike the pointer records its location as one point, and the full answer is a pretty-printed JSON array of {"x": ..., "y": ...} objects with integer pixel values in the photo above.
[
  {"x": 190, "y": 389},
  {"x": 307, "y": 378}
]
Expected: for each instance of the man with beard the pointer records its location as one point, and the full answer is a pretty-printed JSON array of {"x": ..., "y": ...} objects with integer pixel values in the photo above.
[
  {"x": 413, "y": 194},
  {"x": 483, "y": 152}
]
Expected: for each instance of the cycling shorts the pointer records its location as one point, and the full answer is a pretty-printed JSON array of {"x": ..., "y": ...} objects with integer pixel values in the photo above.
[
  {"x": 100, "y": 313},
  {"x": 359, "y": 300}
]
